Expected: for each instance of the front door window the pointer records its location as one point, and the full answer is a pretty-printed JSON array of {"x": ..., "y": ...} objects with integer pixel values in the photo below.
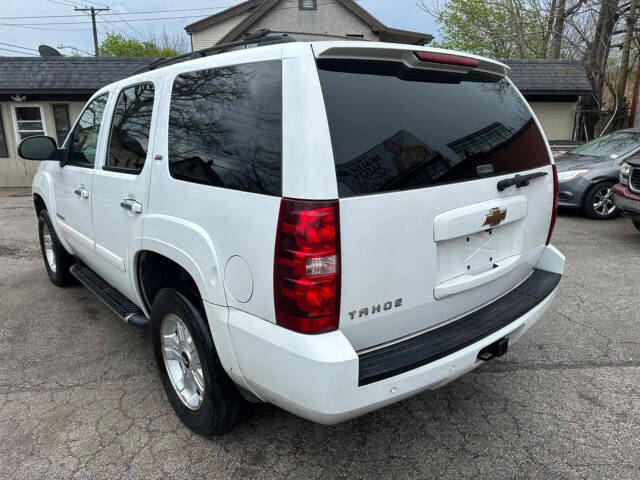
[{"x": 84, "y": 138}]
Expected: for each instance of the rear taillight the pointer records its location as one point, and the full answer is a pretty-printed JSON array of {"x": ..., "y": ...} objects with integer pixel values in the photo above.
[
  {"x": 307, "y": 266},
  {"x": 554, "y": 213},
  {"x": 447, "y": 59}
]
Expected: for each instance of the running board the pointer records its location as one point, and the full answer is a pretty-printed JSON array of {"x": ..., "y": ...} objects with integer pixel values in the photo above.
[{"x": 121, "y": 305}]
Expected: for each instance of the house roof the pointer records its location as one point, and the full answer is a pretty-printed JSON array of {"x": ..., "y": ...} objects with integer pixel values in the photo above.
[
  {"x": 85, "y": 75},
  {"x": 259, "y": 8},
  {"x": 60, "y": 75},
  {"x": 549, "y": 77}
]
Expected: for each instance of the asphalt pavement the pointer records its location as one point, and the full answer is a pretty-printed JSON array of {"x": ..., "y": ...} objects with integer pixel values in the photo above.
[{"x": 80, "y": 397}]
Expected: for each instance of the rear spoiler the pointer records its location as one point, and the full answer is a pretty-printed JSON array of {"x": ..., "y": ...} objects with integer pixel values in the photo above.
[{"x": 413, "y": 57}]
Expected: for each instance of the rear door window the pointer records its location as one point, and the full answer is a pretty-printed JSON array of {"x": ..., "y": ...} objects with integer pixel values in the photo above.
[
  {"x": 391, "y": 133},
  {"x": 225, "y": 127}
]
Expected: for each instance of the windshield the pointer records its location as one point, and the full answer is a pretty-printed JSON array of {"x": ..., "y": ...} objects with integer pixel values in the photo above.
[
  {"x": 390, "y": 132},
  {"x": 613, "y": 145}
]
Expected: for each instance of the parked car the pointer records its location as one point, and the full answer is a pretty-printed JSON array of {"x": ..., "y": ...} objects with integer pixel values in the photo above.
[
  {"x": 329, "y": 227},
  {"x": 587, "y": 174},
  {"x": 627, "y": 192}
]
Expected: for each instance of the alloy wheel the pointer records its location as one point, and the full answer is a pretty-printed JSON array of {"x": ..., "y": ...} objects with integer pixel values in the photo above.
[
  {"x": 182, "y": 362},
  {"x": 603, "y": 203},
  {"x": 49, "y": 254}
]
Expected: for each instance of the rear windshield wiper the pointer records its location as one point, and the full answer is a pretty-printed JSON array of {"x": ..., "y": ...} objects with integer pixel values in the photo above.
[{"x": 519, "y": 180}]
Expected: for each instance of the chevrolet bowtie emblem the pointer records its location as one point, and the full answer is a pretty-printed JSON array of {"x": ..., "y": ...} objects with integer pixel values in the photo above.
[{"x": 494, "y": 217}]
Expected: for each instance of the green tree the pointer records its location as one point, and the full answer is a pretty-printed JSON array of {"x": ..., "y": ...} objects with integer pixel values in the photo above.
[
  {"x": 117, "y": 45},
  {"x": 464, "y": 24},
  {"x": 497, "y": 29}
]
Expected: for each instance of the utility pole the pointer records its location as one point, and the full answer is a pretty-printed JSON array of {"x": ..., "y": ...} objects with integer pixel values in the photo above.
[{"x": 93, "y": 11}]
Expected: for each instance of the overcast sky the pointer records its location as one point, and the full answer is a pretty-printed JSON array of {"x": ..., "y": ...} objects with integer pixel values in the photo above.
[{"x": 75, "y": 29}]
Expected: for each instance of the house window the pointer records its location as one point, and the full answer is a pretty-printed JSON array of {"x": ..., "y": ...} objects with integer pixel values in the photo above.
[
  {"x": 28, "y": 121},
  {"x": 308, "y": 4},
  {"x": 4, "y": 151},
  {"x": 61, "y": 120}
]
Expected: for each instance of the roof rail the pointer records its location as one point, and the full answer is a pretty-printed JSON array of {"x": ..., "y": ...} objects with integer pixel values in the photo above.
[{"x": 260, "y": 38}]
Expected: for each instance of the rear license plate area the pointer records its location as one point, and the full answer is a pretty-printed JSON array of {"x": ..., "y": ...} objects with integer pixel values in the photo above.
[{"x": 478, "y": 252}]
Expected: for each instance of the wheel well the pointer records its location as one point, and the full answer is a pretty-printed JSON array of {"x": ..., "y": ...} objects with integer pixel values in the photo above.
[
  {"x": 38, "y": 203},
  {"x": 156, "y": 272}
]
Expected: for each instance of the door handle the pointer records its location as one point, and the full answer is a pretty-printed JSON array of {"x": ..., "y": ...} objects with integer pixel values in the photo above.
[
  {"x": 131, "y": 205},
  {"x": 81, "y": 192}
]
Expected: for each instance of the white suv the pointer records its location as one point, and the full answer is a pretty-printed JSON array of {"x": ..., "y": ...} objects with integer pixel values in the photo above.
[{"x": 330, "y": 227}]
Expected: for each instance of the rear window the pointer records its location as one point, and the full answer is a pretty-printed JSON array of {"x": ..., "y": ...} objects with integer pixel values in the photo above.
[
  {"x": 225, "y": 127},
  {"x": 391, "y": 133}
]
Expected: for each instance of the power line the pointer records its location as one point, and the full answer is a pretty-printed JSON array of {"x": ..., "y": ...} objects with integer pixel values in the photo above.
[
  {"x": 18, "y": 46},
  {"x": 18, "y": 51},
  {"x": 117, "y": 14},
  {"x": 116, "y": 21},
  {"x": 66, "y": 3},
  {"x": 96, "y": 3},
  {"x": 74, "y": 48},
  {"x": 94, "y": 11},
  {"x": 133, "y": 29},
  {"x": 114, "y": 26},
  {"x": 48, "y": 29}
]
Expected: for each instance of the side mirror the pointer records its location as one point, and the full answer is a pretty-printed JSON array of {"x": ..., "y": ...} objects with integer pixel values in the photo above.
[{"x": 38, "y": 147}]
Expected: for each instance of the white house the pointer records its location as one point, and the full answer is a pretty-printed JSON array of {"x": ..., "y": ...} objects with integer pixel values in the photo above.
[{"x": 307, "y": 20}]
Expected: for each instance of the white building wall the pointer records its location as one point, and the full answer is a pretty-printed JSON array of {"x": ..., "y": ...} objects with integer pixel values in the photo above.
[
  {"x": 15, "y": 172},
  {"x": 557, "y": 118},
  {"x": 330, "y": 18},
  {"x": 209, "y": 36}
]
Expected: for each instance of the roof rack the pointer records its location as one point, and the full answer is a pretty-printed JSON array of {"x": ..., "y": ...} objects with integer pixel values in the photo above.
[{"x": 259, "y": 39}]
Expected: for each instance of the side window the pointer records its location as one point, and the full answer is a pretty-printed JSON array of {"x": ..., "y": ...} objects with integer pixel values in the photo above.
[
  {"x": 225, "y": 127},
  {"x": 84, "y": 139},
  {"x": 130, "y": 128}
]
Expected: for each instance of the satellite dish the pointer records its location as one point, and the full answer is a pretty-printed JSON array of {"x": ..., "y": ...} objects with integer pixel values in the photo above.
[{"x": 47, "y": 51}]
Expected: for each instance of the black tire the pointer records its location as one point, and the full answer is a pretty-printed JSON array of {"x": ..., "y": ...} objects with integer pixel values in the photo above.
[
  {"x": 636, "y": 222},
  {"x": 222, "y": 405},
  {"x": 588, "y": 207},
  {"x": 63, "y": 260}
]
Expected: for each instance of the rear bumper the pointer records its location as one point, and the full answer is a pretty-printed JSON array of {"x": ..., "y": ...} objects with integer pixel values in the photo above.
[
  {"x": 319, "y": 377},
  {"x": 627, "y": 201}
]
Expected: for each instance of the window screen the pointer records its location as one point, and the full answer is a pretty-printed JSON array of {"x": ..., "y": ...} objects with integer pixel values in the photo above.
[
  {"x": 61, "y": 120},
  {"x": 225, "y": 127},
  {"x": 130, "y": 128},
  {"x": 393, "y": 129}
]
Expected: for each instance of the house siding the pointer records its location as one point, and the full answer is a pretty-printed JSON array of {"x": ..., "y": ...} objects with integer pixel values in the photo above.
[
  {"x": 557, "y": 118},
  {"x": 331, "y": 19},
  {"x": 15, "y": 172},
  {"x": 211, "y": 35}
]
